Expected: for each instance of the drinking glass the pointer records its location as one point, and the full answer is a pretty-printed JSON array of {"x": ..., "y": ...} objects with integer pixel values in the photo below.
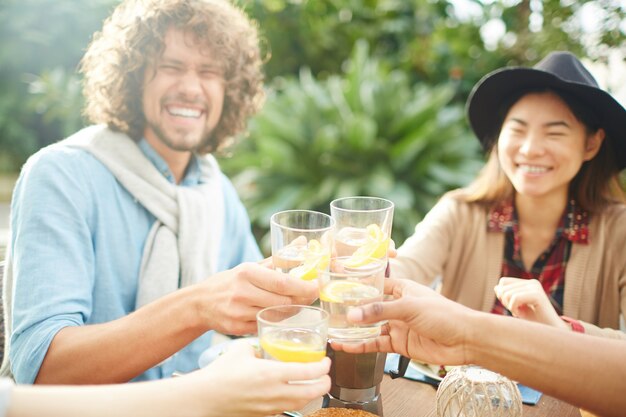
[
  {"x": 363, "y": 227},
  {"x": 301, "y": 242},
  {"x": 293, "y": 333},
  {"x": 343, "y": 287}
]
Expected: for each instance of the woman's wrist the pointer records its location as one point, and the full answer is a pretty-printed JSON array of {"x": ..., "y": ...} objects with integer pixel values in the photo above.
[{"x": 572, "y": 324}]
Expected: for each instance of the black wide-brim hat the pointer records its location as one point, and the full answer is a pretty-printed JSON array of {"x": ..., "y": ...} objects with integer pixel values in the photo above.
[{"x": 559, "y": 70}]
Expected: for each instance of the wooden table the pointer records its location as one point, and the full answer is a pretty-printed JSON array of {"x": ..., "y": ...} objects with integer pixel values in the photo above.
[{"x": 406, "y": 398}]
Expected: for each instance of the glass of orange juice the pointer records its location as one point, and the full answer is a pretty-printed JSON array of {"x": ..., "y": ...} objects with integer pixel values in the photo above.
[
  {"x": 293, "y": 333},
  {"x": 363, "y": 227},
  {"x": 302, "y": 241},
  {"x": 343, "y": 287}
]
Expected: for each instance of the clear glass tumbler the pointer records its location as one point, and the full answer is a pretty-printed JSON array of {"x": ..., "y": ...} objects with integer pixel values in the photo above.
[{"x": 302, "y": 241}]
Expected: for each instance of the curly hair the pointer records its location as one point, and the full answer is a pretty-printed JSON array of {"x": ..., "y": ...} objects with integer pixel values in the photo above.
[{"x": 133, "y": 37}]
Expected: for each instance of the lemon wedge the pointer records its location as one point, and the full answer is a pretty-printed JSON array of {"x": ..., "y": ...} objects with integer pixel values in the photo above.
[
  {"x": 286, "y": 350},
  {"x": 304, "y": 272},
  {"x": 375, "y": 246},
  {"x": 315, "y": 257},
  {"x": 374, "y": 232}
]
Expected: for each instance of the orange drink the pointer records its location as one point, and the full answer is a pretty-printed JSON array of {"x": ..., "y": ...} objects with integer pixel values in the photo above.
[
  {"x": 293, "y": 333},
  {"x": 294, "y": 345}
]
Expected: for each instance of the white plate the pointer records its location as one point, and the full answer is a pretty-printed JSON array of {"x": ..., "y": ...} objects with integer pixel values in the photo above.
[{"x": 431, "y": 371}]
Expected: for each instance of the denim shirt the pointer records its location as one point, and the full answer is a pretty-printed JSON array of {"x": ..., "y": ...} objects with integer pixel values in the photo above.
[{"x": 77, "y": 243}]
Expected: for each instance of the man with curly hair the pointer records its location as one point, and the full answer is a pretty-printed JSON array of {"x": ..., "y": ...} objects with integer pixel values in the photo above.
[{"x": 128, "y": 244}]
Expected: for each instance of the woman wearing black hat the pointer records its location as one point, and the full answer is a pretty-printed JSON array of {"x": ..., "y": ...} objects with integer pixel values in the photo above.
[{"x": 547, "y": 211}]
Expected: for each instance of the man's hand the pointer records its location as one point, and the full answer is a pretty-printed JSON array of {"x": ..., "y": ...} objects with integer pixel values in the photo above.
[
  {"x": 230, "y": 300},
  {"x": 422, "y": 324}
]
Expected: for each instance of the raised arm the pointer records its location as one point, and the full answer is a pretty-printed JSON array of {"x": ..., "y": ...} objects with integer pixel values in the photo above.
[
  {"x": 587, "y": 371},
  {"x": 119, "y": 350}
]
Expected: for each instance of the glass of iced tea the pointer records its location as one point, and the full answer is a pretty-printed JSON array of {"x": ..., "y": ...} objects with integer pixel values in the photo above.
[
  {"x": 363, "y": 227},
  {"x": 293, "y": 333},
  {"x": 302, "y": 241},
  {"x": 343, "y": 287}
]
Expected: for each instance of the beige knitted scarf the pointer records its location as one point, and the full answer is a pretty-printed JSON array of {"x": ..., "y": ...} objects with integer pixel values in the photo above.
[{"x": 182, "y": 246}]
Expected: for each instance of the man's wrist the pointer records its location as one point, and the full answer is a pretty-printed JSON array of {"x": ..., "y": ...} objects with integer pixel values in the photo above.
[
  {"x": 193, "y": 300},
  {"x": 475, "y": 338}
]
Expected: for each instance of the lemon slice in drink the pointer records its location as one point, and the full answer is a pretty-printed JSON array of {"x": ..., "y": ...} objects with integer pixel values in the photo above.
[
  {"x": 285, "y": 350},
  {"x": 341, "y": 291},
  {"x": 375, "y": 246},
  {"x": 315, "y": 256},
  {"x": 304, "y": 272}
]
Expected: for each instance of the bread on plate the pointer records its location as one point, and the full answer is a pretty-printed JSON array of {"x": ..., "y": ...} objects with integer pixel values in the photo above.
[{"x": 340, "y": 412}]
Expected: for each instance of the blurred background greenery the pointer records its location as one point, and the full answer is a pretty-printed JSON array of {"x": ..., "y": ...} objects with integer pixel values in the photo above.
[{"x": 365, "y": 97}]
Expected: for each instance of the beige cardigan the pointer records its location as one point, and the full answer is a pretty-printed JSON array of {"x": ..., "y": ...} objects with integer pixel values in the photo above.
[{"x": 452, "y": 242}]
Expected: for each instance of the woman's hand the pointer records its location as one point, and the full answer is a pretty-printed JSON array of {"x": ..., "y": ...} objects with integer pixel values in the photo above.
[
  {"x": 526, "y": 299},
  {"x": 240, "y": 384}
]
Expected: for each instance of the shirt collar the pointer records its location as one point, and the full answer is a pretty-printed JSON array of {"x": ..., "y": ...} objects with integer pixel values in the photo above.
[
  {"x": 574, "y": 224},
  {"x": 192, "y": 174}
]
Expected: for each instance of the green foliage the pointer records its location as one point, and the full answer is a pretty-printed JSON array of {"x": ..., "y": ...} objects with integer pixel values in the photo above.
[
  {"x": 433, "y": 41},
  {"x": 39, "y": 34},
  {"x": 41, "y": 44},
  {"x": 56, "y": 95},
  {"x": 48, "y": 111},
  {"x": 317, "y": 34},
  {"x": 17, "y": 140},
  {"x": 366, "y": 132}
]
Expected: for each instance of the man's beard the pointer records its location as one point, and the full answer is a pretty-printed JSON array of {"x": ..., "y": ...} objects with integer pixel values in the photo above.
[{"x": 206, "y": 142}]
